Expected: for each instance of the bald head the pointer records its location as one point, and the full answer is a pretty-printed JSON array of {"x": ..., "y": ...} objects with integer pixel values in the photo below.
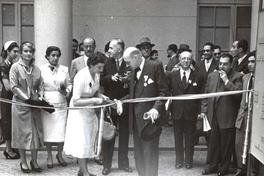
[
  {"x": 88, "y": 46},
  {"x": 185, "y": 60},
  {"x": 133, "y": 57}
]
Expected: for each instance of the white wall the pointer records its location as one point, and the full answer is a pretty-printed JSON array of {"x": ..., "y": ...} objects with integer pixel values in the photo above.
[{"x": 163, "y": 21}]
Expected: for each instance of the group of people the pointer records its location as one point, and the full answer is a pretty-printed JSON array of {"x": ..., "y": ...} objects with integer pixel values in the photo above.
[{"x": 95, "y": 79}]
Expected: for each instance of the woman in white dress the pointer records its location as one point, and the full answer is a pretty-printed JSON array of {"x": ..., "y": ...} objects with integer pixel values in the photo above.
[
  {"x": 82, "y": 124},
  {"x": 56, "y": 89}
]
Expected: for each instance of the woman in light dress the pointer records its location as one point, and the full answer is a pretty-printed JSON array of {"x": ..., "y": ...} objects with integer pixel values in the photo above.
[
  {"x": 25, "y": 83},
  {"x": 56, "y": 89},
  {"x": 82, "y": 124}
]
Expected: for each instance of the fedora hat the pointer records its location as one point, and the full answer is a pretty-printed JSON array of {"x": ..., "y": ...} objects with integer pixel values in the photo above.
[
  {"x": 150, "y": 131},
  {"x": 184, "y": 47},
  {"x": 145, "y": 41}
]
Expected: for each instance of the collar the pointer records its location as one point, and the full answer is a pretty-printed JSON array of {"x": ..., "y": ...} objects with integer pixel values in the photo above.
[
  {"x": 21, "y": 62},
  {"x": 142, "y": 64},
  {"x": 173, "y": 56},
  {"x": 187, "y": 72},
  {"x": 120, "y": 60},
  {"x": 85, "y": 59},
  {"x": 8, "y": 62},
  {"x": 241, "y": 58},
  {"x": 210, "y": 61}
]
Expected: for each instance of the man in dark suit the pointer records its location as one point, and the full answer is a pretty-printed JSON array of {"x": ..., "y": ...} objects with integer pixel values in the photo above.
[
  {"x": 221, "y": 113},
  {"x": 147, "y": 80},
  {"x": 81, "y": 62},
  {"x": 184, "y": 112},
  {"x": 115, "y": 88},
  {"x": 241, "y": 121},
  {"x": 173, "y": 58},
  {"x": 209, "y": 64},
  {"x": 205, "y": 67},
  {"x": 239, "y": 51}
]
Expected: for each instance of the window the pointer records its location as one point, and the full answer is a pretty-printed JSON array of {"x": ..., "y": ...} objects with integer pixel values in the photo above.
[
  {"x": 17, "y": 21},
  {"x": 221, "y": 25}
]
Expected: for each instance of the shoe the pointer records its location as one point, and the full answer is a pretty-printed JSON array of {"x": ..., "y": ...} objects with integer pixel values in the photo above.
[
  {"x": 106, "y": 171},
  {"x": 34, "y": 168},
  {"x": 188, "y": 166},
  {"x": 24, "y": 170},
  {"x": 11, "y": 155},
  {"x": 178, "y": 166},
  {"x": 50, "y": 166},
  {"x": 208, "y": 171},
  {"x": 221, "y": 174},
  {"x": 81, "y": 174},
  {"x": 61, "y": 163},
  {"x": 127, "y": 169},
  {"x": 98, "y": 161}
]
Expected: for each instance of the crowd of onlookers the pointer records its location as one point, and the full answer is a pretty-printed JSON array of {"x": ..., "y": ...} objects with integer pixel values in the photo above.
[{"x": 96, "y": 78}]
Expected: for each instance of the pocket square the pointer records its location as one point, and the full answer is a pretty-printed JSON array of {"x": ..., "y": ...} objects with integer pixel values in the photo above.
[
  {"x": 194, "y": 84},
  {"x": 150, "y": 81}
]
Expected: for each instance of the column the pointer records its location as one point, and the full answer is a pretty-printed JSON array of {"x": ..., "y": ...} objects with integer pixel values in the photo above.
[{"x": 53, "y": 27}]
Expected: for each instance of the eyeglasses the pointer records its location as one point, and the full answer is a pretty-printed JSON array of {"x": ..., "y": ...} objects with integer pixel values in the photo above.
[
  {"x": 217, "y": 54},
  {"x": 206, "y": 51},
  {"x": 224, "y": 63}
]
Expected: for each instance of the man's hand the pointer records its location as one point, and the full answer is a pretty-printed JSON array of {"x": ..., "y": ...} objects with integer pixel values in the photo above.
[
  {"x": 115, "y": 77},
  {"x": 223, "y": 76},
  {"x": 152, "y": 114},
  {"x": 203, "y": 115}
]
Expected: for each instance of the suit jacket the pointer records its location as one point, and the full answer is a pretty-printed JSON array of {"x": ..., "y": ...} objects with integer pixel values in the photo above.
[
  {"x": 242, "y": 67},
  {"x": 242, "y": 112},
  {"x": 225, "y": 108},
  {"x": 152, "y": 83},
  {"x": 200, "y": 67},
  {"x": 185, "y": 108},
  {"x": 113, "y": 89},
  {"x": 172, "y": 62},
  {"x": 76, "y": 65}
]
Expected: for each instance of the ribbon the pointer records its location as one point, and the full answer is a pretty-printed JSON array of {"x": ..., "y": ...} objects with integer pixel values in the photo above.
[{"x": 139, "y": 100}]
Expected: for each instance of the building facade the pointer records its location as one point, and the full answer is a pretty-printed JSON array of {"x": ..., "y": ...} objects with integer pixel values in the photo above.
[{"x": 192, "y": 22}]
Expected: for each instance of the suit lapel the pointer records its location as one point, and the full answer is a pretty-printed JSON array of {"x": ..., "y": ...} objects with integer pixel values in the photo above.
[
  {"x": 190, "y": 80},
  {"x": 122, "y": 68},
  {"x": 178, "y": 79},
  {"x": 212, "y": 66},
  {"x": 140, "y": 83},
  {"x": 242, "y": 64}
]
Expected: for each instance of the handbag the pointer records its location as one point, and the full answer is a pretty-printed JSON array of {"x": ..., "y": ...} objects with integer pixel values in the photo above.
[{"x": 109, "y": 129}]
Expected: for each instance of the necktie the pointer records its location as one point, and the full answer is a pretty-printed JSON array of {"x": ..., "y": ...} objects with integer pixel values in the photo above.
[
  {"x": 117, "y": 64},
  {"x": 207, "y": 65},
  {"x": 184, "y": 80},
  {"x": 136, "y": 71}
]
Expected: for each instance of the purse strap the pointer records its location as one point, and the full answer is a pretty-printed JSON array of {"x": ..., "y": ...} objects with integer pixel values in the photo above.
[{"x": 108, "y": 115}]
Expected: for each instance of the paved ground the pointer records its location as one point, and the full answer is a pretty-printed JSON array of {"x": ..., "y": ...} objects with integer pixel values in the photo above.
[{"x": 166, "y": 162}]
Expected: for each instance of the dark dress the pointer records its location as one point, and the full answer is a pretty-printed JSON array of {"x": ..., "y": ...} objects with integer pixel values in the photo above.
[{"x": 5, "y": 107}]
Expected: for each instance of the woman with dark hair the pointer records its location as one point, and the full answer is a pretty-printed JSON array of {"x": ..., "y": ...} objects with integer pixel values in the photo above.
[
  {"x": 9, "y": 53},
  {"x": 25, "y": 83},
  {"x": 82, "y": 124},
  {"x": 56, "y": 89}
]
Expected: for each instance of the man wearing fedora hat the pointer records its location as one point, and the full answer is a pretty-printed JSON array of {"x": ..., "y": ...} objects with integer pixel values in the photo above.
[
  {"x": 145, "y": 46},
  {"x": 147, "y": 80},
  {"x": 184, "y": 47}
]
